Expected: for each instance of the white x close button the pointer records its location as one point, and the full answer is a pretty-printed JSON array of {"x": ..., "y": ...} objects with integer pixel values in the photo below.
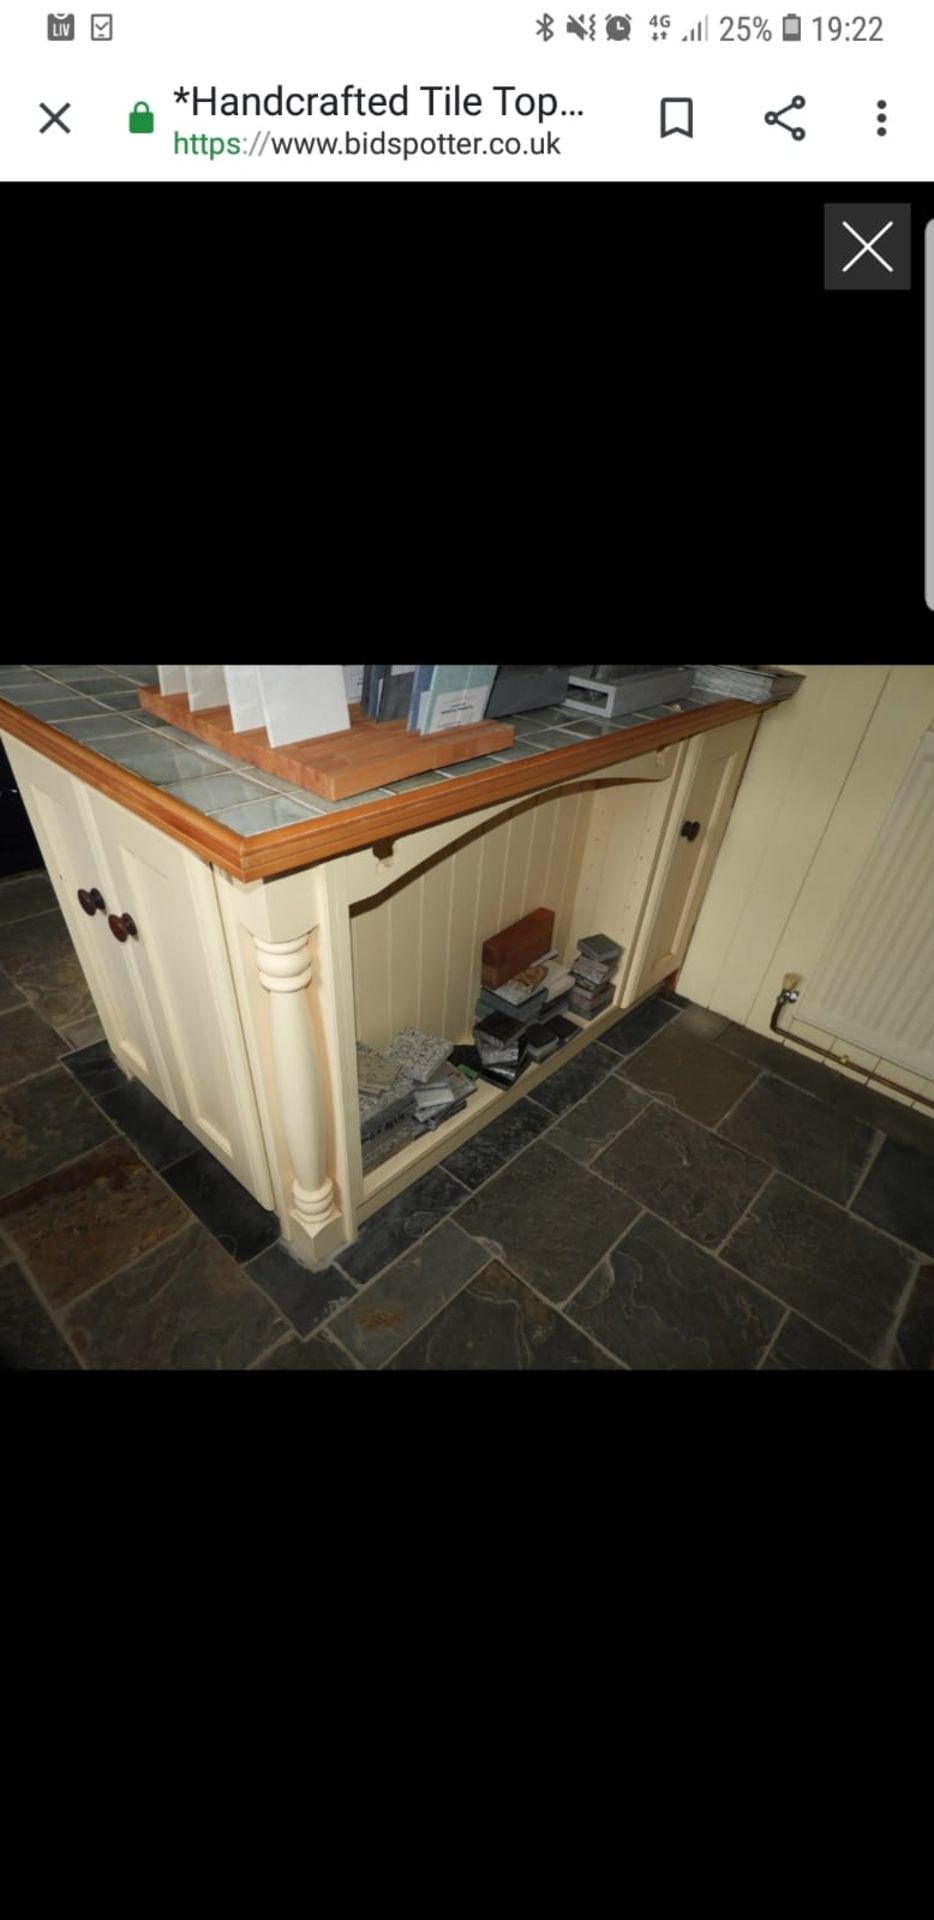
[{"x": 867, "y": 249}]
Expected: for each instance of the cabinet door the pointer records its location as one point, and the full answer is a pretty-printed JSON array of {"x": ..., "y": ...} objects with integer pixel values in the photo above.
[
  {"x": 698, "y": 821},
  {"x": 57, "y": 805},
  {"x": 180, "y": 968}
]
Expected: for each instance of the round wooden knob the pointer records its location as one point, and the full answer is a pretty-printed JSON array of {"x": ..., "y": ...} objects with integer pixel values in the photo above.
[
  {"x": 123, "y": 927},
  {"x": 92, "y": 901}
]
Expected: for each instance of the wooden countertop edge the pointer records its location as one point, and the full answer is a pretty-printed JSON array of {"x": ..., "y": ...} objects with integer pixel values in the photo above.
[{"x": 287, "y": 849}]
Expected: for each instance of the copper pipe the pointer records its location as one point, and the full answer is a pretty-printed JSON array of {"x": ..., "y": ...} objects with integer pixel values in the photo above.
[{"x": 827, "y": 1053}]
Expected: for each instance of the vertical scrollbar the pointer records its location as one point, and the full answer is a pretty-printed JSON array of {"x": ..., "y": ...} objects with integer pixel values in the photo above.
[{"x": 929, "y": 414}]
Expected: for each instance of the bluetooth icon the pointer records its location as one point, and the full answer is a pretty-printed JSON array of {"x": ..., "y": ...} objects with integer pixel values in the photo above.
[{"x": 545, "y": 27}]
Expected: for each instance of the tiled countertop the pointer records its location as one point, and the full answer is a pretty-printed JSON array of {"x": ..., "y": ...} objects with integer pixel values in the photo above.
[{"x": 97, "y": 707}]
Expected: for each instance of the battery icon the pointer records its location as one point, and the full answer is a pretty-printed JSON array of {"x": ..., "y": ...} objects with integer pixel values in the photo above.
[{"x": 791, "y": 26}]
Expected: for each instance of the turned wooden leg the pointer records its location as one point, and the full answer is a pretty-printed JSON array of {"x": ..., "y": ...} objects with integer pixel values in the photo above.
[{"x": 285, "y": 971}]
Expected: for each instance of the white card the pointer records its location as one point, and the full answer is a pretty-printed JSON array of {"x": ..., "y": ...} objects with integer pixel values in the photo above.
[
  {"x": 246, "y": 701},
  {"x": 172, "y": 680},
  {"x": 303, "y": 703},
  {"x": 207, "y": 687}
]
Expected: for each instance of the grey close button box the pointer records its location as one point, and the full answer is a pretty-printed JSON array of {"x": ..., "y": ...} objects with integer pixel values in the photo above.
[{"x": 867, "y": 247}]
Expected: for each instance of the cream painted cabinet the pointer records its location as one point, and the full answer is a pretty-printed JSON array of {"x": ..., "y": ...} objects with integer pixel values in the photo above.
[
  {"x": 697, "y": 821},
  {"x": 165, "y": 994}
]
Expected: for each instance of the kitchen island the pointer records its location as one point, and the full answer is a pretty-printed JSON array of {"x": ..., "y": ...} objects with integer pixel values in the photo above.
[{"x": 240, "y": 935}]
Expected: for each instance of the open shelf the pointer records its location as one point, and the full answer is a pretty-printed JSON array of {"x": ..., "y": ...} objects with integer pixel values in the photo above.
[{"x": 419, "y": 1156}]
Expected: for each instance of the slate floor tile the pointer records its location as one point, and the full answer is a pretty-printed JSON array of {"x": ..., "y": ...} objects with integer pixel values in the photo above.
[
  {"x": 915, "y": 1345},
  {"x": 548, "y": 1220},
  {"x": 834, "y": 1269},
  {"x": 96, "y": 1069},
  {"x": 804, "y": 1349},
  {"x": 681, "y": 1171},
  {"x": 801, "y": 1136},
  {"x": 242, "y": 1226},
  {"x": 578, "y": 1077},
  {"x": 910, "y": 1125},
  {"x": 496, "y": 1144},
  {"x": 79, "y": 1225},
  {"x": 82, "y": 1033},
  {"x": 597, "y": 1120},
  {"x": 27, "y": 1045},
  {"x": 497, "y": 1325},
  {"x": 154, "y": 1131},
  {"x": 762, "y": 1051},
  {"x": 320, "y": 1355},
  {"x": 305, "y": 1298},
  {"x": 185, "y": 1307},
  {"x": 898, "y": 1195},
  {"x": 22, "y": 899},
  {"x": 29, "y": 1341},
  {"x": 382, "y": 1318},
  {"x": 701, "y": 1023},
  {"x": 399, "y": 1225},
  {"x": 660, "y": 1302},
  {"x": 43, "y": 1123},
  {"x": 638, "y": 1026},
  {"x": 39, "y": 958},
  {"x": 698, "y": 1079},
  {"x": 10, "y": 996}
]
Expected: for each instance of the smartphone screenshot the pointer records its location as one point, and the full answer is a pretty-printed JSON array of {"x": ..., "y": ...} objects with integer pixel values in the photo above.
[{"x": 719, "y": 235}]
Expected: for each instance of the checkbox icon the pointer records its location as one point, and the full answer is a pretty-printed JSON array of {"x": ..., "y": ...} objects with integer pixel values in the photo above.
[{"x": 102, "y": 26}]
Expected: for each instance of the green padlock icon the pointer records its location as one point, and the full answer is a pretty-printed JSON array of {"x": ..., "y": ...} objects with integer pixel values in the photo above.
[{"x": 142, "y": 119}]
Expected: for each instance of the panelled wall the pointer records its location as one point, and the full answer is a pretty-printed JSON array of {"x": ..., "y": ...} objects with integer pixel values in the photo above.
[
  {"x": 818, "y": 792},
  {"x": 582, "y": 853},
  {"x": 417, "y": 945}
]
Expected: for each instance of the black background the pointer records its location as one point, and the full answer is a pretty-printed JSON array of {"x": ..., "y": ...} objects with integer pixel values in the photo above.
[{"x": 537, "y": 411}]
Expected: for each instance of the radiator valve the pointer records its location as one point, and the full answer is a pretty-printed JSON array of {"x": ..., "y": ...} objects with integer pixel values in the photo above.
[{"x": 791, "y": 990}]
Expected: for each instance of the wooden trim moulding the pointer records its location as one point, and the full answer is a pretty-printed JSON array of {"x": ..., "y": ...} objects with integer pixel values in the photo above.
[{"x": 290, "y": 849}]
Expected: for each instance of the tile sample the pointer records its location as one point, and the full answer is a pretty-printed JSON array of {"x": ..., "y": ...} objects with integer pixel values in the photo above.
[
  {"x": 244, "y": 698},
  {"x": 303, "y": 703},
  {"x": 206, "y": 688}
]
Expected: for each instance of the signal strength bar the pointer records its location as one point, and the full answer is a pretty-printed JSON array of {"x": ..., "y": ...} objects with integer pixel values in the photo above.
[{"x": 701, "y": 31}]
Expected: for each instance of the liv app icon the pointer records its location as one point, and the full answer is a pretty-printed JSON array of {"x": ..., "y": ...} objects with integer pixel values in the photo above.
[{"x": 61, "y": 26}]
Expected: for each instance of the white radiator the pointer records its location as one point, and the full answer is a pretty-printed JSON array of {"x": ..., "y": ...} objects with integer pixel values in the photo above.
[{"x": 874, "y": 984}]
